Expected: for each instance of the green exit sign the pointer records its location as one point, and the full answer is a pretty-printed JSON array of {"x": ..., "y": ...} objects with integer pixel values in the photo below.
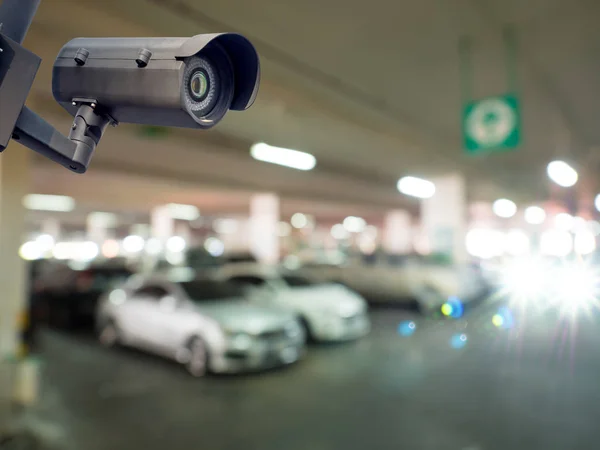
[{"x": 491, "y": 124}]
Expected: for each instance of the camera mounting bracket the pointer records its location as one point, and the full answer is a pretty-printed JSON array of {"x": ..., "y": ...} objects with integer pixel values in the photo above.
[{"x": 73, "y": 152}]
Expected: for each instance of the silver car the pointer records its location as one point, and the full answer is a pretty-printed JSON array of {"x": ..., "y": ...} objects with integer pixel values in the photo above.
[
  {"x": 204, "y": 324},
  {"x": 327, "y": 311}
]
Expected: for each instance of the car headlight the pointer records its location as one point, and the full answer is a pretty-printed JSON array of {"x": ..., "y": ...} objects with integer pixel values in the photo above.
[{"x": 239, "y": 341}]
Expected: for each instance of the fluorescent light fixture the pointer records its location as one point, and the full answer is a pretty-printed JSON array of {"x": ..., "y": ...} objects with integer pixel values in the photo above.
[
  {"x": 504, "y": 208},
  {"x": 183, "y": 212},
  {"x": 283, "y": 156},
  {"x": 562, "y": 173},
  {"x": 416, "y": 187},
  {"x": 42, "y": 202},
  {"x": 535, "y": 215}
]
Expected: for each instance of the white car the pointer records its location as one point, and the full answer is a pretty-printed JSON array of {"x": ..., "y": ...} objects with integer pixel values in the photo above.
[
  {"x": 328, "y": 311},
  {"x": 413, "y": 279},
  {"x": 204, "y": 324}
]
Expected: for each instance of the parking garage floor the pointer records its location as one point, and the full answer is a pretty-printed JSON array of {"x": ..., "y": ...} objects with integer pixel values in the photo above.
[{"x": 533, "y": 386}]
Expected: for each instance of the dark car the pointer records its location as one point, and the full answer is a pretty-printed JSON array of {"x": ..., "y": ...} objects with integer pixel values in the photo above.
[{"x": 67, "y": 297}]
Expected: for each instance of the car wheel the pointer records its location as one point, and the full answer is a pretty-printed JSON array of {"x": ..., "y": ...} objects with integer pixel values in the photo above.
[
  {"x": 109, "y": 334},
  {"x": 197, "y": 364}
]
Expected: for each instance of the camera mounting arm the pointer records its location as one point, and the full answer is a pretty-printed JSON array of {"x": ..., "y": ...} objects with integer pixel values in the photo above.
[
  {"x": 21, "y": 123},
  {"x": 74, "y": 152}
]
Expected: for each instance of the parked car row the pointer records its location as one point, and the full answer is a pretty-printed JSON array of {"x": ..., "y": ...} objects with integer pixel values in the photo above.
[
  {"x": 237, "y": 316},
  {"x": 221, "y": 324}
]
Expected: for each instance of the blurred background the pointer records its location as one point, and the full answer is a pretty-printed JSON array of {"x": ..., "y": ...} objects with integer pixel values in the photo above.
[{"x": 437, "y": 159}]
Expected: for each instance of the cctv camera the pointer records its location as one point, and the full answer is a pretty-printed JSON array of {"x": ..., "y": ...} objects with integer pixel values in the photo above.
[{"x": 179, "y": 82}]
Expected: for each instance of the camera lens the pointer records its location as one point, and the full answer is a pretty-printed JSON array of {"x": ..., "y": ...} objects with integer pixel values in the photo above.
[
  {"x": 208, "y": 84},
  {"x": 199, "y": 85}
]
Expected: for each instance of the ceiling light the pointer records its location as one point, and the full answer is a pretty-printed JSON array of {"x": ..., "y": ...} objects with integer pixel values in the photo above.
[
  {"x": 183, "y": 212},
  {"x": 110, "y": 248},
  {"x": 176, "y": 244},
  {"x": 133, "y": 244},
  {"x": 354, "y": 224},
  {"x": 153, "y": 246},
  {"x": 535, "y": 215},
  {"x": 517, "y": 243},
  {"x": 585, "y": 242},
  {"x": 45, "y": 242},
  {"x": 485, "y": 243},
  {"x": 504, "y": 208},
  {"x": 556, "y": 243},
  {"x": 214, "y": 246},
  {"x": 416, "y": 187},
  {"x": 283, "y": 156},
  {"x": 562, "y": 173},
  {"x": 339, "y": 232},
  {"x": 43, "y": 202},
  {"x": 299, "y": 220},
  {"x": 30, "y": 251},
  {"x": 564, "y": 221}
]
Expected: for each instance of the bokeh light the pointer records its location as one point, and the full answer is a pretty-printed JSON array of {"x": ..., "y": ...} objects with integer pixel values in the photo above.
[
  {"x": 458, "y": 341},
  {"x": 407, "y": 328},
  {"x": 453, "y": 307}
]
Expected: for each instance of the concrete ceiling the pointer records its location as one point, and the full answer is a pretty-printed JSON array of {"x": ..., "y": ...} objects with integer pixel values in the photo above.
[{"x": 371, "y": 89}]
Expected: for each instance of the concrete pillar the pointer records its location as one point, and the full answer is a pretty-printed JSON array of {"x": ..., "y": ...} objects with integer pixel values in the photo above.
[
  {"x": 14, "y": 185},
  {"x": 264, "y": 228},
  {"x": 397, "y": 233},
  {"x": 444, "y": 217}
]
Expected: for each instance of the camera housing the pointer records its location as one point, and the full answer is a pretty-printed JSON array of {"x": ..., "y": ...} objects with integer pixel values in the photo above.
[{"x": 174, "y": 82}]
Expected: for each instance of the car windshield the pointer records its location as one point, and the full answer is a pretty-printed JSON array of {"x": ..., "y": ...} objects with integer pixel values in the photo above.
[{"x": 208, "y": 290}]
